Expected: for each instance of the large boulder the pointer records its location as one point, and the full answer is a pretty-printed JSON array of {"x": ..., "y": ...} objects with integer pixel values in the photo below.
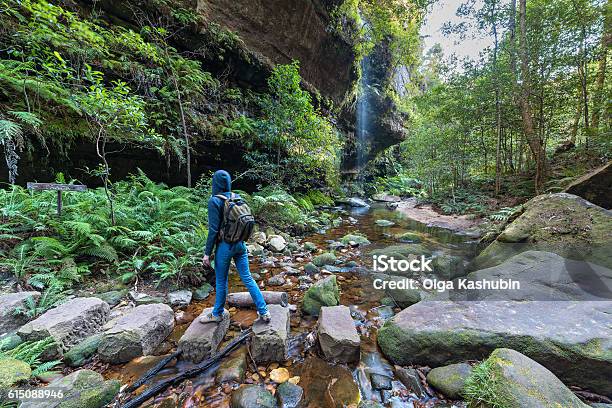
[
  {"x": 511, "y": 380},
  {"x": 252, "y": 396},
  {"x": 68, "y": 324},
  {"x": 595, "y": 186},
  {"x": 137, "y": 333},
  {"x": 561, "y": 223},
  {"x": 9, "y": 304},
  {"x": 201, "y": 340},
  {"x": 82, "y": 389},
  {"x": 338, "y": 336},
  {"x": 554, "y": 333},
  {"x": 323, "y": 293},
  {"x": 540, "y": 276},
  {"x": 270, "y": 341}
]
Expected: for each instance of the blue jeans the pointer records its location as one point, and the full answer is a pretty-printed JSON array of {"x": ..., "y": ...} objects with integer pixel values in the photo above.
[{"x": 223, "y": 257}]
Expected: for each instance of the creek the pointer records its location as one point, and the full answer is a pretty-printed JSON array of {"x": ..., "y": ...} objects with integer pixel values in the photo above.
[{"x": 325, "y": 385}]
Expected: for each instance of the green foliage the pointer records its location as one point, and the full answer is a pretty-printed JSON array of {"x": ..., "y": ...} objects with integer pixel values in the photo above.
[
  {"x": 299, "y": 145},
  {"x": 275, "y": 207},
  {"x": 505, "y": 213},
  {"x": 482, "y": 387},
  {"x": 462, "y": 202},
  {"x": 158, "y": 230},
  {"x": 30, "y": 352},
  {"x": 401, "y": 185},
  {"x": 50, "y": 298}
]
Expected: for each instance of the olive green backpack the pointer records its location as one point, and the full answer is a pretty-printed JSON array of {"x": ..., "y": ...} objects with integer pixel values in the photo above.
[{"x": 238, "y": 221}]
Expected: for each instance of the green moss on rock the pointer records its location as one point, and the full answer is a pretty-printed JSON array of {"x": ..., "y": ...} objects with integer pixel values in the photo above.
[
  {"x": 323, "y": 293},
  {"x": 327, "y": 258}
]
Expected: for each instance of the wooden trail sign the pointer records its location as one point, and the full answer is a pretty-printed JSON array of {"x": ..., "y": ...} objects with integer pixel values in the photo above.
[{"x": 59, "y": 188}]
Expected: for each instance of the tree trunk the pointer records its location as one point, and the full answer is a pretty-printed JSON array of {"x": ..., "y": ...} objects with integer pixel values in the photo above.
[
  {"x": 498, "y": 159},
  {"x": 533, "y": 140},
  {"x": 244, "y": 299},
  {"x": 606, "y": 41}
]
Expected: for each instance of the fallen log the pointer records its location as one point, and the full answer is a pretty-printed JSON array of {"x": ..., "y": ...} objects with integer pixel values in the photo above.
[
  {"x": 151, "y": 373},
  {"x": 244, "y": 299},
  {"x": 203, "y": 366}
]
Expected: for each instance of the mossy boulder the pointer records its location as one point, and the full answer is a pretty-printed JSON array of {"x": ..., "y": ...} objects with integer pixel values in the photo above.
[
  {"x": 82, "y": 353},
  {"x": 13, "y": 371},
  {"x": 553, "y": 333},
  {"x": 448, "y": 266},
  {"x": 112, "y": 297},
  {"x": 400, "y": 297},
  {"x": 323, "y": 293},
  {"x": 326, "y": 258},
  {"x": 83, "y": 389},
  {"x": 311, "y": 268},
  {"x": 561, "y": 223},
  {"x": 384, "y": 223},
  {"x": 509, "y": 379},
  {"x": 354, "y": 238},
  {"x": 203, "y": 291},
  {"x": 450, "y": 379}
]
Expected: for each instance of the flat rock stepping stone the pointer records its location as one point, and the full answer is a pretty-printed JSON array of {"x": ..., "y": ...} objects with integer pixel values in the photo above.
[
  {"x": 9, "y": 303},
  {"x": 338, "y": 336},
  {"x": 450, "y": 380},
  {"x": 201, "y": 340},
  {"x": 68, "y": 324},
  {"x": 270, "y": 340},
  {"x": 138, "y": 333}
]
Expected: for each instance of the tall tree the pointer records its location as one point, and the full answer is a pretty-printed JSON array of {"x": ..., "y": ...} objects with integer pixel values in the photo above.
[
  {"x": 533, "y": 139},
  {"x": 606, "y": 42}
]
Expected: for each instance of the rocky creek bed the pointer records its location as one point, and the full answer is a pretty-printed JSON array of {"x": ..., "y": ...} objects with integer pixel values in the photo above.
[{"x": 339, "y": 341}]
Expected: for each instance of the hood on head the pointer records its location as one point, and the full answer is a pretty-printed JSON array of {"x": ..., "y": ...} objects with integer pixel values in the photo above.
[{"x": 221, "y": 182}]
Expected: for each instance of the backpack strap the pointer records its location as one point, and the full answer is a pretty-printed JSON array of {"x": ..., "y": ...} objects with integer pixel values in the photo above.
[{"x": 221, "y": 196}]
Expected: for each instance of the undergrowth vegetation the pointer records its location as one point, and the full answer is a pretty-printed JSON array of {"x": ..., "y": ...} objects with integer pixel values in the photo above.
[{"x": 159, "y": 232}]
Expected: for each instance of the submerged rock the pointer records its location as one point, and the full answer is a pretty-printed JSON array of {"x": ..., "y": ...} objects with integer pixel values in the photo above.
[
  {"x": 252, "y": 396},
  {"x": 270, "y": 341},
  {"x": 402, "y": 251},
  {"x": 408, "y": 237},
  {"x": 357, "y": 202},
  {"x": 450, "y": 380},
  {"x": 325, "y": 384},
  {"x": 201, "y": 340},
  {"x": 354, "y": 239},
  {"x": 337, "y": 334},
  {"x": 289, "y": 395},
  {"x": 233, "y": 368},
  {"x": 515, "y": 381},
  {"x": 82, "y": 389},
  {"x": 137, "y": 333},
  {"x": 384, "y": 223},
  {"x": 68, "y": 324},
  {"x": 323, "y": 293},
  {"x": 552, "y": 333},
  {"x": 561, "y": 223},
  {"x": 9, "y": 304}
]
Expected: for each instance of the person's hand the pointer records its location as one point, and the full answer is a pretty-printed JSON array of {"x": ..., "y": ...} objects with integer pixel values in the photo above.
[{"x": 206, "y": 261}]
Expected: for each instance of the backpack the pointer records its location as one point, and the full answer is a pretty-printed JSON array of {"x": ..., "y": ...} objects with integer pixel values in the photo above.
[{"x": 238, "y": 221}]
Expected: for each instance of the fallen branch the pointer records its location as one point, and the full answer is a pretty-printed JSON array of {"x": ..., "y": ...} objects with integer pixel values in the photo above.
[
  {"x": 244, "y": 299},
  {"x": 206, "y": 364},
  {"x": 151, "y": 373}
]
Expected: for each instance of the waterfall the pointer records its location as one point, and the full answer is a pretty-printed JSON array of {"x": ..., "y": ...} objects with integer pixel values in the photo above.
[{"x": 362, "y": 125}]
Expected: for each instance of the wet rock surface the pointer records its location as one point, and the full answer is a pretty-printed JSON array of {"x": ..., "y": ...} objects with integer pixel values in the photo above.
[
  {"x": 450, "y": 380},
  {"x": 201, "y": 340},
  {"x": 337, "y": 335},
  {"x": 252, "y": 396},
  {"x": 68, "y": 324},
  {"x": 289, "y": 395},
  {"x": 137, "y": 333}
]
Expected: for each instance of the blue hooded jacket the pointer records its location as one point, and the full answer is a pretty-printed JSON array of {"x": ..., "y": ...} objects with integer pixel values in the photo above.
[{"x": 221, "y": 184}]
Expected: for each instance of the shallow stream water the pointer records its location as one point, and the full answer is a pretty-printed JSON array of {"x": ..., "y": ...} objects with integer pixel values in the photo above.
[{"x": 325, "y": 385}]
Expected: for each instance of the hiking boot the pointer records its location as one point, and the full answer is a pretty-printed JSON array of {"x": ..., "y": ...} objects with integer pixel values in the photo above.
[
  {"x": 211, "y": 318},
  {"x": 265, "y": 318}
]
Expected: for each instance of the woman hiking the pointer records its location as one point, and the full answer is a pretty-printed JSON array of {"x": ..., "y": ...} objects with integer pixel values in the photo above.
[{"x": 226, "y": 251}]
